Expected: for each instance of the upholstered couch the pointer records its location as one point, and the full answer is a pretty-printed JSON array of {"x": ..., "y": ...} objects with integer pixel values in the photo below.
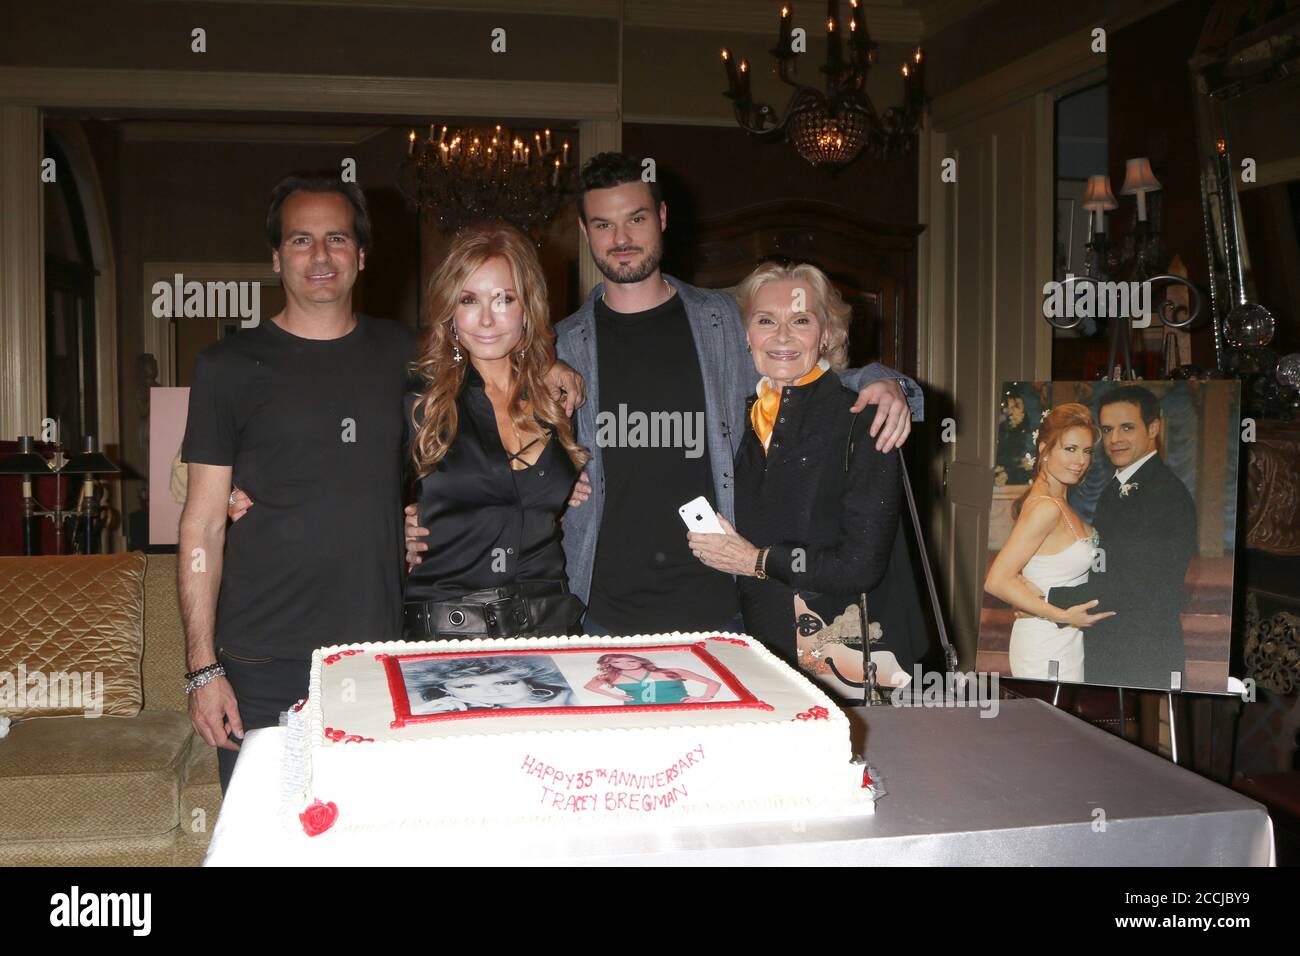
[{"x": 112, "y": 790}]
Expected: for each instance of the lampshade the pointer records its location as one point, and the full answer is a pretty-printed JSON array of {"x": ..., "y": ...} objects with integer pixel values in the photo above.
[
  {"x": 1138, "y": 177},
  {"x": 25, "y": 461},
  {"x": 89, "y": 461},
  {"x": 1098, "y": 195}
]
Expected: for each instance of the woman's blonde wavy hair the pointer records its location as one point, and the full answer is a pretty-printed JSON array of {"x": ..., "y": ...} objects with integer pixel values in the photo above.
[
  {"x": 827, "y": 303},
  {"x": 434, "y": 414}
]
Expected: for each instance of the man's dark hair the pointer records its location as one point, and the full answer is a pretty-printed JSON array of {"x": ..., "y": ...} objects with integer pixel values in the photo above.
[
  {"x": 607, "y": 170},
  {"x": 306, "y": 183},
  {"x": 1134, "y": 395}
]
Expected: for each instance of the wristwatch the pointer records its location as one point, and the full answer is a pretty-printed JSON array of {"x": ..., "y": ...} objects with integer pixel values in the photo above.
[{"x": 758, "y": 565}]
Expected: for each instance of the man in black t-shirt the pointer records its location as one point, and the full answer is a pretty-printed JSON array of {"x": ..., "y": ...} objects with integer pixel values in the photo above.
[
  {"x": 304, "y": 411},
  {"x": 645, "y": 579}
]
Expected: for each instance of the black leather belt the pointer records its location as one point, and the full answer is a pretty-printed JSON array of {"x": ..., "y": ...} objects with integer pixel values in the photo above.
[{"x": 508, "y": 611}]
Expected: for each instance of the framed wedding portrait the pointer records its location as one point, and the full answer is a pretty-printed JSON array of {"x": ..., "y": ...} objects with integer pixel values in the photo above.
[{"x": 1135, "y": 484}]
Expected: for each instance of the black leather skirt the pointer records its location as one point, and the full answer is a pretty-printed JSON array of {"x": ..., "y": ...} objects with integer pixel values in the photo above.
[{"x": 533, "y": 609}]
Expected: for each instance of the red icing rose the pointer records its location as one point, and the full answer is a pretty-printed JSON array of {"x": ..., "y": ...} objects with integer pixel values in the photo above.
[
  {"x": 318, "y": 818},
  {"x": 819, "y": 713},
  {"x": 299, "y": 706},
  {"x": 335, "y": 735},
  {"x": 333, "y": 659}
]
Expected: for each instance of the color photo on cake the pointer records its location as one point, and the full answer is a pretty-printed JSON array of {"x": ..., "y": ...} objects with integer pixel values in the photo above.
[
  {"x": 1122, "y": 493},
  {"x": 573, "y": 680}
]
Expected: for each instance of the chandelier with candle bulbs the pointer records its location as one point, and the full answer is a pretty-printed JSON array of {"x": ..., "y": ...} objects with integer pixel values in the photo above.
[
  {"x": 830, "y": 127},
  {"x": 469, "y": 175}
]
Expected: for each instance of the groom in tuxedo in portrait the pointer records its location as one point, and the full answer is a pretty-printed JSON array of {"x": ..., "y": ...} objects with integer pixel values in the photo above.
[{"x": 1147, "y": 523}]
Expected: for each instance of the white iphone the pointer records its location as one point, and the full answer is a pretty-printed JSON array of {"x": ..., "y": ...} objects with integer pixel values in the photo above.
[{"x": 700, "y": 516}]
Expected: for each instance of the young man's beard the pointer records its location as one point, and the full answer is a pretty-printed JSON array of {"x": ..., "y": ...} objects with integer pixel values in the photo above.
[{"x": 633, "y": 274}]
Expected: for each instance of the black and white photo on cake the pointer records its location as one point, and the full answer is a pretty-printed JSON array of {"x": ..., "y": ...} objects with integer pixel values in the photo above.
[{"x": 484, "y": 682}]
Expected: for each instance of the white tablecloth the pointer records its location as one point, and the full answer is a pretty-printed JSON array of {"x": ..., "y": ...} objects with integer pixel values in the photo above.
[{"x": 1031, "y": 786}]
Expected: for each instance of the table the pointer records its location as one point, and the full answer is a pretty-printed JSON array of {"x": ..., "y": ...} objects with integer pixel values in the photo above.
[{"x": 1031, "y": 786}]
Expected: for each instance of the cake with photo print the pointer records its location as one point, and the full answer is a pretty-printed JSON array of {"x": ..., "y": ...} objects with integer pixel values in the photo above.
[{"x": 591, "y": 732}]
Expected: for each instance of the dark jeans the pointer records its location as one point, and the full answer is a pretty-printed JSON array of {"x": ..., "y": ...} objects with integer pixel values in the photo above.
[{"x": 265, "y": 687}]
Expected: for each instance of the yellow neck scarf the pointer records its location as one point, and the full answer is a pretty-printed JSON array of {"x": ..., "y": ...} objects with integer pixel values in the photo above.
[{"x": 764, "y": 411}]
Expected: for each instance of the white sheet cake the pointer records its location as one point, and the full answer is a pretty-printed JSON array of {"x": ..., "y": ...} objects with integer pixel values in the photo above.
[{"x": 708, "y": 728}]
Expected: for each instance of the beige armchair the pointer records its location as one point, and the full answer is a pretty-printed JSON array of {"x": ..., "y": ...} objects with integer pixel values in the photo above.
[{"x": 112, "y": 791}]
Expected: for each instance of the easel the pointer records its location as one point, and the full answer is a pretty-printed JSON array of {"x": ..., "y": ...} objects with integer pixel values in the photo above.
[
  {"x": 1119, "y": 367},
  {"x": 1175, "y": 687}
]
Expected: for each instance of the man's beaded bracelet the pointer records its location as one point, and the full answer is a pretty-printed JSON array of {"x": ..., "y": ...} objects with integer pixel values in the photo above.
[
  {"x": 196, "y": 679},
  {"x": 190, "y": 675}
]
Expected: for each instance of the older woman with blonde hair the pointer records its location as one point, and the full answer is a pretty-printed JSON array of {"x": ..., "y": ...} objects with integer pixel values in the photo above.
[
  {"x": 494, "y": 451},
  {"x": 817, "y": 503}
]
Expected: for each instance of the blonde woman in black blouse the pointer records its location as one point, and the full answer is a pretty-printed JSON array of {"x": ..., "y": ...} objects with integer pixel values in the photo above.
[{"x": 494, "y": 451}]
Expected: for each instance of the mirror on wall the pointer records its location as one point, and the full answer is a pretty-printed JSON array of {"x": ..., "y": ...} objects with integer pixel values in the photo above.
[
  {"x": 1081, "y": 121},
  {"x": 1246, "y": 74},
  {"x": 1264, "y": 129}
]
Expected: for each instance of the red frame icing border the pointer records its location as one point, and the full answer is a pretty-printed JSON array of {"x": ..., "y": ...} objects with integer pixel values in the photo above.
[{"x": 402, "y": 709}]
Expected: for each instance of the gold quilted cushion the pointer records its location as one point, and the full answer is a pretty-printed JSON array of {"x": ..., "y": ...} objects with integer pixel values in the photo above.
[
  {"x": 71, "y": 633},
  {"x": 114, "y": 777}
]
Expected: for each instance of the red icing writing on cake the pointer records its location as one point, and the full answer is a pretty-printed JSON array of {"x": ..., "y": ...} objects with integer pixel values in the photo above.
[
  {"x": 612, "y": 801},
  {"x": 589, "y": 791}
]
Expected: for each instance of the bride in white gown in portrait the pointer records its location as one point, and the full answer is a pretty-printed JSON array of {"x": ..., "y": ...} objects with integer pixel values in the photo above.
[{"x": 1049, "y": 546}]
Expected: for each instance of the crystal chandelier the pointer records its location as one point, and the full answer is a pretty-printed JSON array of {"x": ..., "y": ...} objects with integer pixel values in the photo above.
[
  {"x": 470, "y": 175},
  {"x": 830, "y": 128}
]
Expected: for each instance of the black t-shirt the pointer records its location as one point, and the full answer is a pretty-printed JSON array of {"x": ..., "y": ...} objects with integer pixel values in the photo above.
[
  {"x": 313, "y": 430},
  {"x": 489, "y": 525},
  {"x": 645, "y": 578}
]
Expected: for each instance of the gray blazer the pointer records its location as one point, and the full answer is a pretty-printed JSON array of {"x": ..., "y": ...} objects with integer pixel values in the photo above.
[{"x": 729, "y": 378}]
